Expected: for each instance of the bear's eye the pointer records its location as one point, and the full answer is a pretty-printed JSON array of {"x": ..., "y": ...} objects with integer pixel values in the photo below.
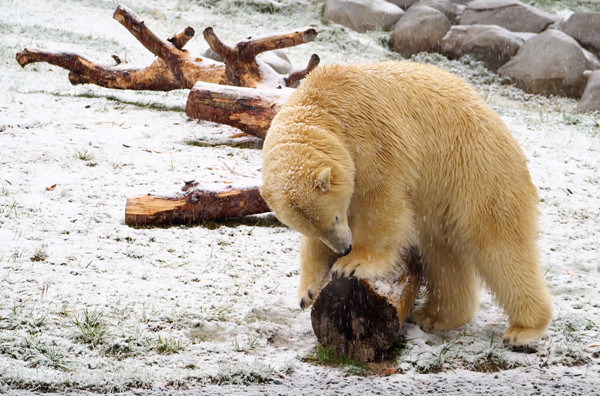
[{"x": 336, "y": 219}]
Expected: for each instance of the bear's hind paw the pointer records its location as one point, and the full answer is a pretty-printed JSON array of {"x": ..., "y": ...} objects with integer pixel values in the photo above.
[{"x": 522, "y": 339}]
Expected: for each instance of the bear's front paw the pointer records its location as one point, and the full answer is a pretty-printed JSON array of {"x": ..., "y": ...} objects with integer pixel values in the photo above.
[
  {"x": 522, "y": 339},
  {"x": 366, "y": 266},
  {"x": 345, "y": 269}
]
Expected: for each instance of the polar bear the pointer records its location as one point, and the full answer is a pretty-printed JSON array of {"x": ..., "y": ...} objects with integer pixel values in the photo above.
[{"x": 368, "y": 160}]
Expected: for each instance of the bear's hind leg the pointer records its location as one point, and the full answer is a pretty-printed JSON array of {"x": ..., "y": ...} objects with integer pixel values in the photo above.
[
  {"x": 516, "y": 280},
  {"x": 315, "y": 261},
  {"x": 452, "y": 287}
]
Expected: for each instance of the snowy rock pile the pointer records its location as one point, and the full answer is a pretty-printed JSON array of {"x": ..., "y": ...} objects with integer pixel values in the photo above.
[{"x": 536, "y": 50}]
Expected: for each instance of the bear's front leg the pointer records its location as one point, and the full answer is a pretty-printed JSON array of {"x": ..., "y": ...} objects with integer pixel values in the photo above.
[
  {"x": 315, "y": 261},
  {"x": 381, "y": 224}
]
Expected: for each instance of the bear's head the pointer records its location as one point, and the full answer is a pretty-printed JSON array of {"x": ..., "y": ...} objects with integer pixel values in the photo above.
[{"x": 310, "y": 192}]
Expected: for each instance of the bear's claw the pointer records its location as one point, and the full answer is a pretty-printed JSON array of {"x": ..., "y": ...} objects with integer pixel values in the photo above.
[
  {"x": 303, "y": 303},
  {"x": 307, "y": 297}
]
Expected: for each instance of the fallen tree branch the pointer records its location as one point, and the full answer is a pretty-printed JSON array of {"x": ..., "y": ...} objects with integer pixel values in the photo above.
[
  {"x": 174, "y": 67},
  {"x": 193, "y": 206}
]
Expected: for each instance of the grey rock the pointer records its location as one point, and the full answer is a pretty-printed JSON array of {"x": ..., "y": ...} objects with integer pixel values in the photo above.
[
  {"x": 404, "y": 4},
  {"x": 509, "y": 14},
  {"x": 277, "y": 59},
  {"x": 585, "y": 28},
  {"x": 363, "y": 15},
  {"x": 590, "y": 100},
  {"x": 551, "y": 63},
  {"x": 420, "y": 29},
  {"x": 491, "y": 44},
  {"x": 451, "y": 10}
]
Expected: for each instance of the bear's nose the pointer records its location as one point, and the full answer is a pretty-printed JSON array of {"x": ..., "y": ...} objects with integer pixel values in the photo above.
[{"x": 345, "y": 252}]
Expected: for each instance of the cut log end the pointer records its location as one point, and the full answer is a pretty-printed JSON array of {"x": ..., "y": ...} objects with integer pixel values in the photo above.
[
  {"x": 354, "y": 320},
  {"x": 361, "y": 319}
]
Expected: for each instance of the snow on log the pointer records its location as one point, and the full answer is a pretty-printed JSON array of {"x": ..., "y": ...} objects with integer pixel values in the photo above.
[{"x": 362, "y": 318}]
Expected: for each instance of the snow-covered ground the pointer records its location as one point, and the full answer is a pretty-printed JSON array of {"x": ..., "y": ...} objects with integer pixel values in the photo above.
[{"x": 88, "y": 303}]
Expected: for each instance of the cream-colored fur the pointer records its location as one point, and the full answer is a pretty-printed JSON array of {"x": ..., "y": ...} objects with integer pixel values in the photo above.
[{"x": 381, "y": 156}]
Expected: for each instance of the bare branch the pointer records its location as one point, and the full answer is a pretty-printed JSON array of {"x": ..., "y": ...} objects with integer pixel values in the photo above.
[{"x": 298, "y": 75}]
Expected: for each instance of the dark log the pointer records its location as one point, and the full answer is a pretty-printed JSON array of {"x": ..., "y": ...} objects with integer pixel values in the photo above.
[
  {"x": 193, "y": 206},
  {"x": 361, "y": 319},
  {"x": 248, "y": 109}
]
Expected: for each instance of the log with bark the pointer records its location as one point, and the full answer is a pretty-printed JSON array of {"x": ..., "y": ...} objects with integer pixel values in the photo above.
[
  {"x": 361, "y": 319},
  {"x": 248, "y": 109},
  {"x": 192, "y": 206},
  {"x": 174, "y": 67}
]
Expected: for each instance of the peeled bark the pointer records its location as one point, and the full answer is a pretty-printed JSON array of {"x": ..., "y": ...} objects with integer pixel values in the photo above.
[{"x": 361, "y": 319}]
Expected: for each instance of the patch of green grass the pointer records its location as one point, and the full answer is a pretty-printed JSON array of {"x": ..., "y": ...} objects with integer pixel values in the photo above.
[
  {"x": 433, "y": 363},
  {"x": 92, "y": 327},
  {"x": 330, "y": 357},
  {"x": 491, "y": 361},
  {"x": 9, "y": 209},
  {"x": 245, "y": 346},
  {"x": 35, "y": 352},
  {"x": 399, "y": 347},
  {"x": 243, "y": 374},
  {"x": 165, "y": 345},
  {"x": 84, "y": 155},
  {"x": 125, "y": 346}
]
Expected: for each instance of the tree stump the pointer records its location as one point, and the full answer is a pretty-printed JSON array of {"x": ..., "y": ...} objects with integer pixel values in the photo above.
[{"x": 362, "y": 318}]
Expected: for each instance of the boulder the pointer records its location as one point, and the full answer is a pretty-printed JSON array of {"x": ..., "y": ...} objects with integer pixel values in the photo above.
[
  {"x": 420, "y": 29},
  {"x": 404, "y": 4},
  {"x": 590, "y": 100},
  {"x": 363, "y": 15},
  {"x": 509, "y": 14},
  {"x": 491, "y": 44},
  {"x": 585, "y": 28},
  {"x": 446, "y": 7},
  {"x": 551, "y": 63},
  {"x": 277, "y": 59}
]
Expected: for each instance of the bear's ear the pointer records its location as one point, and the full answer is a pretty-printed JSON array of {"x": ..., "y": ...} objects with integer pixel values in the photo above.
[{"x": 323, "y": 181}]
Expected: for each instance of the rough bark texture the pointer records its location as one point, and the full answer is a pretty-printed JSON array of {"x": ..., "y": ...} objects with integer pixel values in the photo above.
[
  {"x": 362, "y": 318},
  {"x": 250, "y": 110},
  {"x": 193, "y": 206},
  {"x": 174, "y": 67}
]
